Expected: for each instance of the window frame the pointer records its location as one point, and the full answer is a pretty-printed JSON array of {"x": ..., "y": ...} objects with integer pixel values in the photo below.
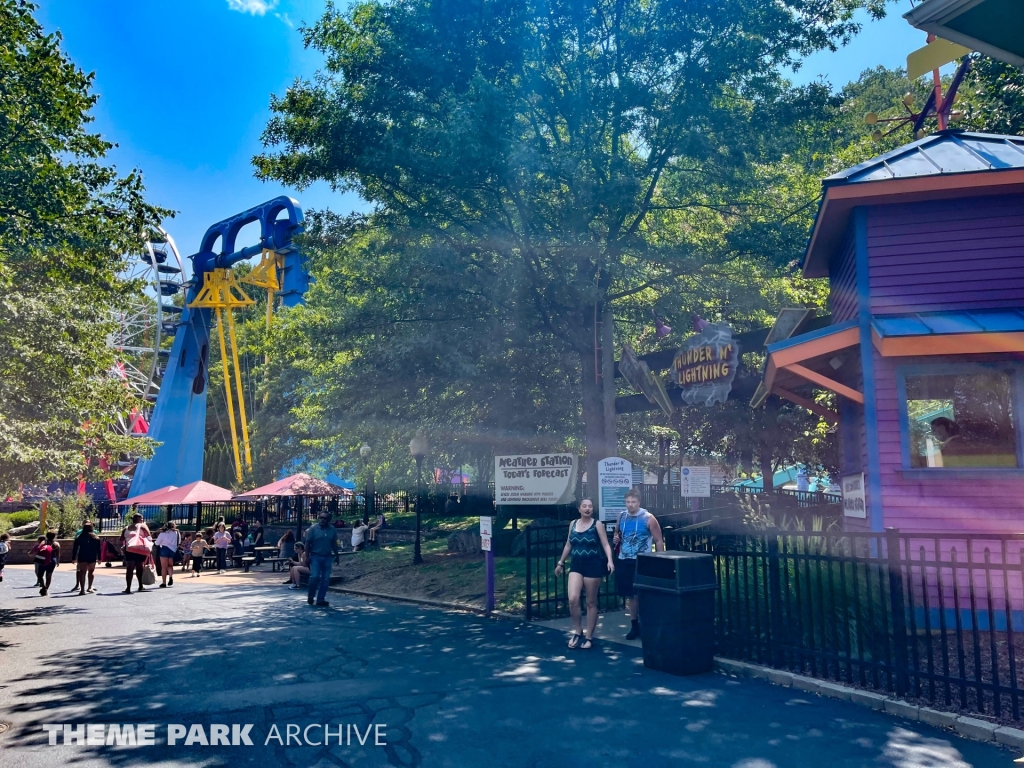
[{"x": 1016, "y": 372}]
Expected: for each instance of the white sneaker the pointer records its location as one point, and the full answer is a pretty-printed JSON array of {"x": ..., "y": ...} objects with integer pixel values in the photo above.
[{"x": 294, "y": 587}]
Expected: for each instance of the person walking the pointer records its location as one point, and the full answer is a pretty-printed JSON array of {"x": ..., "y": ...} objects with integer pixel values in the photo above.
[
  {"x": 635, "y": 529},
  {"x": 199, "y": 549},
  {"x": 38, "y": 558},
  {"x": 221, "y": 543},
  {"x": 591, "y": 560},
  {"x": 85, "y": 552},
  {"x": 167, "y": 543},
  {"x": 51, "y": 559},
  {"x": 5, "y": 547},
  {"x": 136, "y": 544},
  {"x": 321, "y": 546},
  {"x": 186, "y": 551}
]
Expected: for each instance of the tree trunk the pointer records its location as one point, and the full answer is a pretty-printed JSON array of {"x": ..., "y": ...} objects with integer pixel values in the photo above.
[
  {"x": 598, "y": 406},
  {"x": 767, "y": 475}
]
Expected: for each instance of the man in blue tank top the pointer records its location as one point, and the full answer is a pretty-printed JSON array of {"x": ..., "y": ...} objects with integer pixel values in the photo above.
[{"x": 635, "y": 530}]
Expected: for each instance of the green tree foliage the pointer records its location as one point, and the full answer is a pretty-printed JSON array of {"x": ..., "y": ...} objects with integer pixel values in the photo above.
[
  {"x": 993, "y": 97},
  {"x": 65, "y": 221},
  {"x": 535, "y": 165}
]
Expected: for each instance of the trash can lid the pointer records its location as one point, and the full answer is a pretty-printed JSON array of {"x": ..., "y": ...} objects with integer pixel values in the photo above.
[{"x": 676, "y": 569}]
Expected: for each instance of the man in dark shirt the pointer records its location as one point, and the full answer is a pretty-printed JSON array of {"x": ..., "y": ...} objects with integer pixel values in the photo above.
[{"x": 321, "y": 547}]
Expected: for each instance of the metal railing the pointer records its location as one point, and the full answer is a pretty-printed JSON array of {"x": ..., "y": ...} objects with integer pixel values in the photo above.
[{"x": 936, "y": 618}]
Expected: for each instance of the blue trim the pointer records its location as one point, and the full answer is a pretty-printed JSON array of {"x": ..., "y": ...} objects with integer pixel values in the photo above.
[
  {"x": 1017, "y": 380},
  {"x": 873, "y": 471},
  {"x": 820, "y": 333}
]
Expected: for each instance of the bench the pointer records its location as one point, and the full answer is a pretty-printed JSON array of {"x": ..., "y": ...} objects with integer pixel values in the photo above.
[
  {"x": 276, "y": 562},
  {"x": 247, "y": 561}
]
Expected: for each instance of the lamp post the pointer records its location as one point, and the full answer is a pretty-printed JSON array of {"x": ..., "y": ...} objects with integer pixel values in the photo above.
[
  {"x": 364, "y": 452},
  {"x": 418, "y": 447}
]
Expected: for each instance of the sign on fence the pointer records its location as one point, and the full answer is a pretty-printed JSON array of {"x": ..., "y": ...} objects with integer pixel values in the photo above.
[
  {"x": 695, "y": 482},
  {"x": 853, "y": 496},
  {"x": 541, "y": 478},
  {"x": 614, "y": 478}
]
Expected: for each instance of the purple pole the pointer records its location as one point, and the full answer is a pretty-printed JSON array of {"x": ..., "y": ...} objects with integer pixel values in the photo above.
[{"x": 490, "y": 580}]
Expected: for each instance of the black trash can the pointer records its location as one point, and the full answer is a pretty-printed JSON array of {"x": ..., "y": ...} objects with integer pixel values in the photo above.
[{"x": 676, "y": 591}]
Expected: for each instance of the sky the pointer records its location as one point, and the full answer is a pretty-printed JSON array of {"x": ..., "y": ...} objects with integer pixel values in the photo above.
[{"x": 185, "y": 88}]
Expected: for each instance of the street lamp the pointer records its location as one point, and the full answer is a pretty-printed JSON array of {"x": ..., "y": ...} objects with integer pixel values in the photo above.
[
  {"x": 418, "y": 447},
  {"x": 364, "y": 452}
]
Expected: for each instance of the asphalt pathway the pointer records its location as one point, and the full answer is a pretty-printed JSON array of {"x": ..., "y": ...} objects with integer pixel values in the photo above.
[{"x": 447, "y": 689}]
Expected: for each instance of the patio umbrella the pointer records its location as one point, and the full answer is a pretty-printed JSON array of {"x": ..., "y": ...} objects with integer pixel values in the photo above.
[
  {"x": 296, "y": 485},
  {"x": 144, "y": 498},
  {"x": 193, "y": 493}
]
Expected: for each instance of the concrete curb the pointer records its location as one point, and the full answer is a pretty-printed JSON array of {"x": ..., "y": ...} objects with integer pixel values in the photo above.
[
  {"x": 969, "y": 727},
  {"x": 427, "y": 602}
]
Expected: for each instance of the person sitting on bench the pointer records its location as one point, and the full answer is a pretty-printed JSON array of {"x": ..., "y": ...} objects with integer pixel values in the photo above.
[
  {"x": 298, "y": 566},
  {"x": 379, "y": 526}
]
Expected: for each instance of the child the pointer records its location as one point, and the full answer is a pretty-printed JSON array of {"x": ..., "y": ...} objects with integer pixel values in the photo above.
[
  {"x": 186, "y": 551},
  {"x": 5, "y": 547},
  {"x": 199, "y": 547},
  {"x": 38, "y": 557}
]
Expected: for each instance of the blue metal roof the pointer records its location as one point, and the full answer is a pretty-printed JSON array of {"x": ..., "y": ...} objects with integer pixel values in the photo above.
[
  {"x": 942, "y": 323},
  {"x": 945, "y": 152}
]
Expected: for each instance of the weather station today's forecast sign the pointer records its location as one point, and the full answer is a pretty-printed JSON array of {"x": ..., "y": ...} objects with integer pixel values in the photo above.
[
  {"x": 614, "y": 477},
  {"x": 539, "y": 478}
]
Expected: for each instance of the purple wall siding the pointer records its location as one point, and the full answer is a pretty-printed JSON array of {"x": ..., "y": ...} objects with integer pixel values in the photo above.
[
  {"x": 952, "y": 505},
  {"x": 842, "y": 298},
  {"x": 953, "y": 254}
]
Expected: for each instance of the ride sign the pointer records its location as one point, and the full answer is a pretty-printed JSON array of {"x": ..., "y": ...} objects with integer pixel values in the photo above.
[
  {"x": 614, "y": 478},
  {"x": 705, "y": 366},
  {"x": 542, "y": 478}
]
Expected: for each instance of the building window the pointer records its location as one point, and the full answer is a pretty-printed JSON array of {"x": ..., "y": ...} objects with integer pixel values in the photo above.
[{"x": 963, "y": 418}]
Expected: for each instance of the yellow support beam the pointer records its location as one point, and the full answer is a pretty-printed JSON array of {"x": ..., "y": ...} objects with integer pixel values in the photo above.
[
  {"x": 241, "y": 396},
  {"x": 227, "y": 395}
]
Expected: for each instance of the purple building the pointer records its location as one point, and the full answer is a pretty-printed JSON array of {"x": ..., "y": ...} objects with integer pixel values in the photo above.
[{"x": 924, "y": 251}]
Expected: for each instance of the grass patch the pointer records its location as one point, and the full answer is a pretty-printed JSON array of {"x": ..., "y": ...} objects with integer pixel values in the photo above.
[
  {"x": 448, "y": 576},
  {"x": 446, "y": 525}
]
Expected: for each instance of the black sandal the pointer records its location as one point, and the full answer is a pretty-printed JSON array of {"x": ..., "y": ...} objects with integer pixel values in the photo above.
[
  {"x": 574, "y": 641},
  {"x": 587, "y": 644}
]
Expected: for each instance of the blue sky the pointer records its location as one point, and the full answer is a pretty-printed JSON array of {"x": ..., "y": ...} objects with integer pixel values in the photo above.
[{"x": 184, "y": 90}]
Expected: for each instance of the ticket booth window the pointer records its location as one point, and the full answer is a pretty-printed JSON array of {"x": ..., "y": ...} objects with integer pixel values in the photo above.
[{"x": 961, "y": 419}]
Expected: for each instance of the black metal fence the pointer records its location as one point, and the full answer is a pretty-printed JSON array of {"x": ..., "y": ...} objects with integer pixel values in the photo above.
[{"x": 935, "y": 618}]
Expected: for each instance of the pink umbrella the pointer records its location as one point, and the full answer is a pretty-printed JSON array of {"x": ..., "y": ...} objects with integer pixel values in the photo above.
[
  {"x": 297, "y": 485},
  {"x": 197, "y": 492},
  {"x": 144, "y": 498}
]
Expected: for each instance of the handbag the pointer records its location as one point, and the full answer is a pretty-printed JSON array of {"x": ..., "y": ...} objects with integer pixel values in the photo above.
[
  {"x": 139, "y": 544},
  {"x": 148, "y": 573}
]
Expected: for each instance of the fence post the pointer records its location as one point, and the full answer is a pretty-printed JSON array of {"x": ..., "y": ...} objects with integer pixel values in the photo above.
[
  {"x": 774, "y": 599},
  {"x": 899, "y": 618},
  {"x": 529, "y": 573}
]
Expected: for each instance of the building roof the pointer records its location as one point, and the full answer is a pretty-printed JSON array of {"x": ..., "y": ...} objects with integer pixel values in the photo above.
[
  {"x": 950, "y": 151},
  {"x": 948, "y": 165},
  {"x": 945, "y": 323},
  {"x": 994, "y": 27}
]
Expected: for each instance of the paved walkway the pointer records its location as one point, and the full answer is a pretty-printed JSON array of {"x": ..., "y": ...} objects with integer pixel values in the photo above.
[{"x": 452, "y": 689}]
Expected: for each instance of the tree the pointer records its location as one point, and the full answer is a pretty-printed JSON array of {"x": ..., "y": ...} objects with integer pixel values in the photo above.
[
  {"x": 66, "y": 220},
  {"x": 534, "y": 144}
]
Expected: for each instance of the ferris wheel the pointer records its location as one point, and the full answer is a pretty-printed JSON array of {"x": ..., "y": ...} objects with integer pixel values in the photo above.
[{"x": 144, "y": 329}]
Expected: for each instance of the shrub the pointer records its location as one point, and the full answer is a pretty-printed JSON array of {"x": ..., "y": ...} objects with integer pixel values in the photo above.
[
  {"x": 65, "y": 514},
  {"x": 23, "y": 518}
]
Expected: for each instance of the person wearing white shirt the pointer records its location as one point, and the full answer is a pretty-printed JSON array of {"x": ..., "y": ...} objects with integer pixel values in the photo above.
[{"x": 167, "y": 547}]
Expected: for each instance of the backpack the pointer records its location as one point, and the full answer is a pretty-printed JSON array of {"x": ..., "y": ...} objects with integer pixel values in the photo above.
[{"x": 45, "y": 555}]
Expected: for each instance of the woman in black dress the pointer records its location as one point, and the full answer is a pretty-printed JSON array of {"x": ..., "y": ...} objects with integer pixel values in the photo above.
[{"x": 591, "y": 560}]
